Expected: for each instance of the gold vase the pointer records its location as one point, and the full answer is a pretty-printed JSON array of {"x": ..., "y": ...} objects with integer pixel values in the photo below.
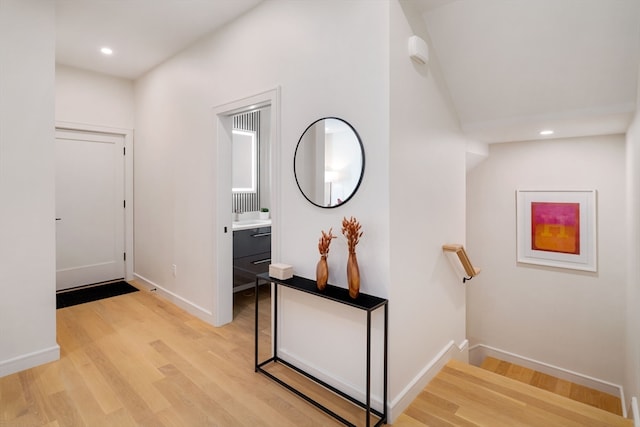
[
  {"x": 353, "y": 275},
  {"x": 322, "y": 273}
]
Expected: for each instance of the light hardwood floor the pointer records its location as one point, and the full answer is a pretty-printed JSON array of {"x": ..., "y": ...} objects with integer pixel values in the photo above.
[
  {"x": 555, "y": 385},
  {"x": 138, "y": 360},
  {"x": 468, "y": 396}
]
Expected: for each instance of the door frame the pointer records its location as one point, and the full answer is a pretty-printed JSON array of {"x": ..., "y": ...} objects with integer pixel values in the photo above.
[
  {"x": 223, "y": 232},
  {"x": 127, "y": 135}
]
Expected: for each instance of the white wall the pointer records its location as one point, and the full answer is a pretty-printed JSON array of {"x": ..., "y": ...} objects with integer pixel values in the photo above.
[
  {"x": 427, "y": 205},
  {"x": 91, "y": 101},
  {"x": 632, "y": 366},
  {"x": 330, "y": 59},
  {"x": 89, "y": 98},
  {"x": 319, "y": 76},
  {"x": 565, "y": 318},
  {"x": 337, "y": 64},
  {"x": 27, "y": 217}
]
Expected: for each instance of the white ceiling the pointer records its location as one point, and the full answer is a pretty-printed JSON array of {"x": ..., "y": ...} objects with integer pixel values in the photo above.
[
  {"x": 142, "y": 33},
  {"x": 513, "y": 67}
]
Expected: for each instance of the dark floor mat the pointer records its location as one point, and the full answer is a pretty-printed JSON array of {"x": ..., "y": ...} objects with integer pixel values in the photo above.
[{"x": 93, "y": 293}]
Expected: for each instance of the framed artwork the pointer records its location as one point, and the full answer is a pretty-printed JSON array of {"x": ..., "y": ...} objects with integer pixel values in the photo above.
[{"x": 557, "y": 228}]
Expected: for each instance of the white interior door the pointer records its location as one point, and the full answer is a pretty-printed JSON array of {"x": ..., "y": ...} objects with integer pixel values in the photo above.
[{"x": 90, "y": 212}]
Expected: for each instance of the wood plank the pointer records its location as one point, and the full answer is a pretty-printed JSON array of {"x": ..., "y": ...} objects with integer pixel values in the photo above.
[
  {"x": 506, "y": 408},
  {"x": 432, "y": 409},
  {"x": 12, "y": 396},
  {"x": 65, "y": 411},
  {"x": 37, "y": 401},
  {"x": 490, "y": 364},
  {"x": 405, "y": 420},
  {"x": 138, "y": 360},
  {"x": 563, "y": 388},
  {"x": 559, "y": 386},
  {"x": 541, "y": 398},
  {"x": 123, "y": 385},
  {"x": 95, "y": 383},
  {"x": 520, "y": 373},
  {"x": 125, "y": 365},
  {"x": 464, "y": 395},
  {"x": 202, "y": 408}
]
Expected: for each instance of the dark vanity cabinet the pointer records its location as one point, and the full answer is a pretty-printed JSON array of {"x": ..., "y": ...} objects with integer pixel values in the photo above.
[{"x": 251, "y": 254}]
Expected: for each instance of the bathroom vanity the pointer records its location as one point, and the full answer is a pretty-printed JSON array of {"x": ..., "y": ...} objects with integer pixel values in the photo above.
[{"x": 251, "y": 251}]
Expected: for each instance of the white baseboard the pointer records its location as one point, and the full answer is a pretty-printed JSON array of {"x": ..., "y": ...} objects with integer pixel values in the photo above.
[
  {"x": 185, "y": 304},
  {"x": 451, "y": 351},
  {"x": 635, "y": 412},
  {"x": 330, "y": 378},
  {"x": 478, "y": 352},
  {"x": 29, "y": 360}
]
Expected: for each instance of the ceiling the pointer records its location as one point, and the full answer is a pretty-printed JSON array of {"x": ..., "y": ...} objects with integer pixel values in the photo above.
[
  {"x": 515, "y": 67},
  {"x": 142, "y": 33},
  {"x": 512, "y": 67}
]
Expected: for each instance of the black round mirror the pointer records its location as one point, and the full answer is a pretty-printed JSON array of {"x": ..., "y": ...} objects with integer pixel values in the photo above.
[{"x": 329, "y": 162}]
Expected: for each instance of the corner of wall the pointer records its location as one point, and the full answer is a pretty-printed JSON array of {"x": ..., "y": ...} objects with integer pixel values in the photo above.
[
  {"x": 476, "y": 153},
  {"x": 183, "y": 303},
  {"x": 405, "y": 397},
  {"x": 632, "y": 368}
]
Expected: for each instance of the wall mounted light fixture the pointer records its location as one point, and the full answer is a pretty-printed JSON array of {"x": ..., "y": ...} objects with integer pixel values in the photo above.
[{"x": 418, "y": 50}]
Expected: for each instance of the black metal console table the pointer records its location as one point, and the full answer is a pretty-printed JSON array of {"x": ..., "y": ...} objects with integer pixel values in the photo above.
[{"x": 364, "y": 302}]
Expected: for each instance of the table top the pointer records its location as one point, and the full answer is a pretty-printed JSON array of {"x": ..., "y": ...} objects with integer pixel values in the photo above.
[{"x": 335, "y": 293}]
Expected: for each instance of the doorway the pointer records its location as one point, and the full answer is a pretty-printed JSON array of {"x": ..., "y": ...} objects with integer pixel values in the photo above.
[
  {"x": 250, "y": 194},
  {"x": 91, "y": 208},
  {"x": 223, "y": 235}
]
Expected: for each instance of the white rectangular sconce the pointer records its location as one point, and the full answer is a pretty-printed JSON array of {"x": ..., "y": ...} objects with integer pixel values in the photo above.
[{"x": 418, "y": 50}]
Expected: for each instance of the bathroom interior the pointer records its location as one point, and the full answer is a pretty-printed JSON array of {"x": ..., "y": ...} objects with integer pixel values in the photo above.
[{"x": 251, "y": 197}]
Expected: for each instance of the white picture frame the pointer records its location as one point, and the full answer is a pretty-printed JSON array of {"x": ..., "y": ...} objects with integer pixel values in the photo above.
[{"x": 557, "y": 228}]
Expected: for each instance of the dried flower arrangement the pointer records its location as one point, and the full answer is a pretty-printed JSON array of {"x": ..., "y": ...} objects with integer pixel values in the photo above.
[
  {"x": 351, "y": 230},
  {"x": 325, "y": 241},
  {"x": 322, "y": 269}
]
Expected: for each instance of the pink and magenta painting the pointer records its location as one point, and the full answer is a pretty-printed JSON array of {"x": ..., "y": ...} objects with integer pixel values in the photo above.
[{"x": 555, "y": 227}]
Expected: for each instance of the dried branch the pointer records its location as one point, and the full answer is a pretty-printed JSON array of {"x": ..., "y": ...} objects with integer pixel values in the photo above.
[
  {"x": 351, "y": 230},
  {"x": 325, "y": 241}
]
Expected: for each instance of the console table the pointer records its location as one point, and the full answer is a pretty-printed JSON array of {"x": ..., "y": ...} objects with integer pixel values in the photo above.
[{"x": 367, "y": 303}]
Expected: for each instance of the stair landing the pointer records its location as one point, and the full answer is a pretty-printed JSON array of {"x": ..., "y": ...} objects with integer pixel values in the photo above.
[
  {"x": 555, "y": 385},
  {"x": 468, "y": 396}
]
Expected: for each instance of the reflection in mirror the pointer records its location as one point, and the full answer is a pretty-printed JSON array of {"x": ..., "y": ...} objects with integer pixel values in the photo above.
[{"x": 329, "y": 162}]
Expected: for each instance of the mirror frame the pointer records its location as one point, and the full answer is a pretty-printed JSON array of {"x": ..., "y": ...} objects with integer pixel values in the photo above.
[{"x": 355, "y": 189}]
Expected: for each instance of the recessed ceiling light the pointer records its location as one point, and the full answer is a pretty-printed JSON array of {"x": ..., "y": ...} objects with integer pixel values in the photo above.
[
  {"x": 106, "y": 51},
  {"x": 546, "y": 132}
]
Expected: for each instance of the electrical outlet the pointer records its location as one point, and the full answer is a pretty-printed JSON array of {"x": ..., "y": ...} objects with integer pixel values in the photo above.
[{"x": 173, "y": 270}]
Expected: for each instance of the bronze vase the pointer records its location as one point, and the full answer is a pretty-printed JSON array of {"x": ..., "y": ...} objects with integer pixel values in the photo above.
[
  {"x": 353, "y": 275},
  {"x": 322, "y": 273}
]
